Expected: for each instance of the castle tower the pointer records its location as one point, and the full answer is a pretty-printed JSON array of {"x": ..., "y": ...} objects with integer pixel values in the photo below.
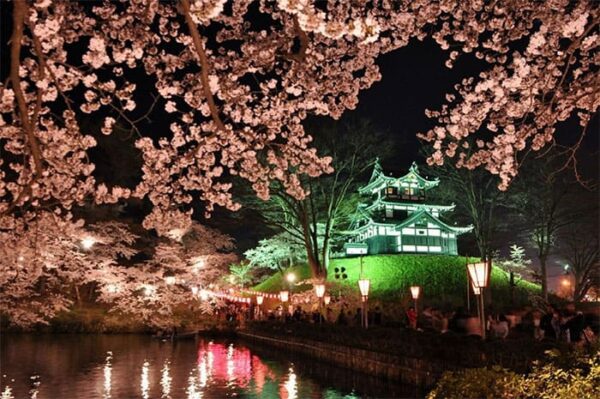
[{"x": 396, "y": 217}]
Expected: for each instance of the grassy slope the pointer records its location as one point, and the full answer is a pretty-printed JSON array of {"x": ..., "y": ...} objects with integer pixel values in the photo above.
[{"x": 443, "y": 278}]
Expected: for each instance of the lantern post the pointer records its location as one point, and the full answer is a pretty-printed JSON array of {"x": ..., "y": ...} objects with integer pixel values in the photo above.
[
  {"x": 320, "y": 291},
  {"x": 364, "y": 285},
  {"x": 479, "y": 273},
  {"x": 259, "y": 301}
]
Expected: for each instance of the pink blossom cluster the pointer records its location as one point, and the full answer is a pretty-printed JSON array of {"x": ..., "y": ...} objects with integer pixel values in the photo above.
[
  {"x": 153, "y": 291},
  {"x": 46, "y": 258},
  {"x": 514, "y": 107},
  {"x": 43, "y": 256},
  {"x": 237, "y": 92}
]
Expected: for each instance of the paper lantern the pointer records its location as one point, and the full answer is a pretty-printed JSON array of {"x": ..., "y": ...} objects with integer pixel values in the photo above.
[
  {"x": 284, "y": 296},
  {"x": 415, "y": 291},
  {"x": 363, "y": 285},
  {"x": 479, "y": 273},
  {"x": 320, "y": 290}
]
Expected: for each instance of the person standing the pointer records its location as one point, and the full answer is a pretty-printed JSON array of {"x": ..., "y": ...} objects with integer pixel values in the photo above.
[
  {"x": 549, "y": 323},
  {"x": 411, "y": 316}
]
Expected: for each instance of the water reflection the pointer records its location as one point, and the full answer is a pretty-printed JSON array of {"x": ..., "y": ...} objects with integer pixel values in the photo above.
[
  {"x": 35, "y": 383},
  {"x": 290, "y": 386},
  {"x": 49, "y": 367},
  {"x": 193, "y": 390},
  {"x": 144, "y": 381},
  {"x": 165, "y": 381},
  {"x": 7, "y": 393},
  {"x": 107, "y": 375}
]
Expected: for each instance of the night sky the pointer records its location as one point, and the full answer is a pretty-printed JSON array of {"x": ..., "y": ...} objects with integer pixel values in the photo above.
[{"x": 414, "y": 78}]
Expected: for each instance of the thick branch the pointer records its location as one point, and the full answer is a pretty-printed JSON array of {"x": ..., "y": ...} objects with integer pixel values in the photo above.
[
  {"x": 303, "y": 37},
  {"x": 19, "y": 14},
  {"x": 201, "y": 52}
]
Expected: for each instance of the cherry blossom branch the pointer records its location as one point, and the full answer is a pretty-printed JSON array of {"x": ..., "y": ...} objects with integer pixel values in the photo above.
[
  {"x": 303, "y": 37},
  {"x": 572, "y": 159},
  {"x": 204, "y": 67},
  {"x": 42, "y": 61},
  {"x": 20, "y": 11}
]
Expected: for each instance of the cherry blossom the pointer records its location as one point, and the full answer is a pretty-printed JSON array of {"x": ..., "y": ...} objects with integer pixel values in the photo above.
[
  {"x": 43, "y": 258},
  {"x": 236, "y": 88},
  {"x": 518, "y": 103},
  {"x": 164, "y": 287}
]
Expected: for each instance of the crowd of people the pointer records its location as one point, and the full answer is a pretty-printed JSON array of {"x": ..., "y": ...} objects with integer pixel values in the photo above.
[{"x": 565, "y": 324}]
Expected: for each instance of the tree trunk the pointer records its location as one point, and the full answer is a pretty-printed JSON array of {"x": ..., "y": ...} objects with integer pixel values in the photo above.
[
  {"x": 325, "y": 251},
  {"x": 512, "y": 288},
  {"x": 544, "y": 277},
  {"x": 313, "y": 264},
  {"x": 325, "y": 260},
  {"x": 77, "y": 294},
  {"x": 91, "y": 292}
]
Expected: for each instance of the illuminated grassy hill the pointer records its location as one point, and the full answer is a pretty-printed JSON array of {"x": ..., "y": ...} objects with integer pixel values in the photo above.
[{"x": 443, "y": 278}]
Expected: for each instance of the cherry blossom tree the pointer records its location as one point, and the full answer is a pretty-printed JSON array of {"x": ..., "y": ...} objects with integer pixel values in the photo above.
[
  {"x": 235, "y": 79},
  {"x": 44, "y": 263},
  {"x": 276, "y": 252},
  {"x": 517, "y": 267},
  {"x": 166, "y": 286},
  {"x": 319, "y": 220},
  {"x": 514, "y": 107}
]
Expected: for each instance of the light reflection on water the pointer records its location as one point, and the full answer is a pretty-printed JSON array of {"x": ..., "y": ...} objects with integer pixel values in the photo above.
[
  {"x": 290, "y": 386},
  {"x": 165, "y": 381},
  {"x": 107, "y": 375},
  {"x": 145, "y": 382},
  {"x": 133, "y": 366}
]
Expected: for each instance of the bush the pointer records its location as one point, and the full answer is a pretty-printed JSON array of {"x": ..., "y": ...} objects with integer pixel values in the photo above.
[
  {"x": 493, "y": 382},
  {"x": 561, "y": 376},
  {"x": 442, "y": 277}
]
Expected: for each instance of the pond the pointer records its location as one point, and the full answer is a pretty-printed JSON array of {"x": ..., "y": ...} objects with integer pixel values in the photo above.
[{"x": 138, "y": 366}]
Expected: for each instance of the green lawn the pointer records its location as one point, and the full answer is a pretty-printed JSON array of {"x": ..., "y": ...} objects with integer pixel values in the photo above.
[{"x": 442, "y": 278}]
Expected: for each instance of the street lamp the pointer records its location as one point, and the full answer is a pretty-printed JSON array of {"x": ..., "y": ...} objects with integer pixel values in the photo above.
[
  {"x": 149, "y": 290},
  {"x": 112, "y": 288},
  {"x": 170, "y": 280},
  {"x": 320, "y": 291},
  {"x": 477, "y": 292},
  {"x": 479, "y": 273},
  {"x": 290, "y": 277},
  {"x": 284, "y": 296},
  {"x": 87, "y": 242},
  {"x": 259, "y": 301},
  {"x": 198, "y": 264},
  {"x": 364, "y": 285},
  {"x": 415, "y": 291}
]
